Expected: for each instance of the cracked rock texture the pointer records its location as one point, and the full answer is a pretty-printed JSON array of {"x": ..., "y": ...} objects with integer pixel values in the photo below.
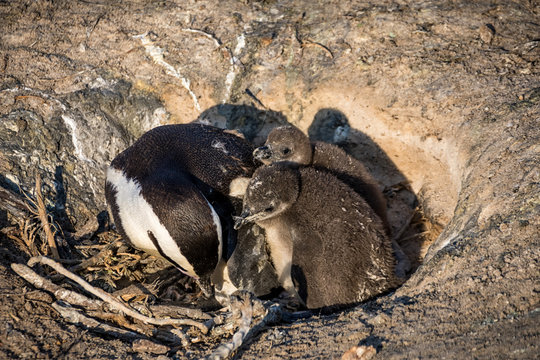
[{"x": 443, "y": 96}]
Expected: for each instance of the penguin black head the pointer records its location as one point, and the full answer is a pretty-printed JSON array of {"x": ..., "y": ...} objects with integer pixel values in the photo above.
[
  {"x": 285, "y": 143},
  {"x": 272, "y": 190}
]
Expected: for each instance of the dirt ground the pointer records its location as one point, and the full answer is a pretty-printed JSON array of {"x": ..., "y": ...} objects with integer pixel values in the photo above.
[{"x": 440, "y": 100}]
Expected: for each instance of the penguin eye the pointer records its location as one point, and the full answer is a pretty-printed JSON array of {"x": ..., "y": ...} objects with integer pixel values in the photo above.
[
  {"x": 286, "y": 151},
  {"x": 269, "y": 209}
]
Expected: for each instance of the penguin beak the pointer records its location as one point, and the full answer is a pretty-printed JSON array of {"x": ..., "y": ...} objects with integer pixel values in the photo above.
[
  {"x": 206, "y": 286},
  {"x": 239, "y": 221},
  {"x": 262, "y": 153},
  {"x": 243, "y": 219}
]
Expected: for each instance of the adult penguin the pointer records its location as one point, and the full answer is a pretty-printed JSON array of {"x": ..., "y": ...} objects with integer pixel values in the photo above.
[{"x": 169, "y": 195}]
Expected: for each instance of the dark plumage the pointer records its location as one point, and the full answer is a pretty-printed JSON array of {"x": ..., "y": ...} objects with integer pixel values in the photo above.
[
  {"x": 321, "y": 230},
  {"x": 212, "y": 156},
  {"x": 168, "y": 193},
  {"x": 288, "y": 143}
]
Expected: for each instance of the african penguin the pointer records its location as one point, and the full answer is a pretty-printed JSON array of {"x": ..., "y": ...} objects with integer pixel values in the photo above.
[
  {"x": 321, "y": 233},
  {"x": 168, "y": 194},
  {"x": 288, "y": 143}
]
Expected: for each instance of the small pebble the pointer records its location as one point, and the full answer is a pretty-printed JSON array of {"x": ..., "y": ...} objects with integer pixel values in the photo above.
[
  {"x": 487, "y": 32},
  {"x": 379, "y": 319},
  {"x": 359, "y": 353}
]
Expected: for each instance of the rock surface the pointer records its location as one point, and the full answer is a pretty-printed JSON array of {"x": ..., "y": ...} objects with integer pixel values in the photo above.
[{"x": 443, "y": 96}]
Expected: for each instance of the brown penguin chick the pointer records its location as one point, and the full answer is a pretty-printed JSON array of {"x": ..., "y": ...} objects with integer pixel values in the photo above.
[
  {"x": 323, "y": 232},
  {"x": 288, "y": 143}
]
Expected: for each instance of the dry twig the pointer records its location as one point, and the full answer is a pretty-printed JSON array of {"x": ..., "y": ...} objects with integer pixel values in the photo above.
[
  {"x": 113, "y": 302},
  {"x": 59, "y": 292},
  {"x": 78, "y": 317},
  {"x": 309, "y": 43},
  {"x": 95, "y": 307},
  {"x": 166, "y": 310},
  {"x": 43, "y": 217},
  {"x": 305, "y": 43}
]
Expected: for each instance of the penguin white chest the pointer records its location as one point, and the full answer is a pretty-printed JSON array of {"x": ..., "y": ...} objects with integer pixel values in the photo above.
[
  {"x": 140, "y": 222},
  {"x": 281, "y": 250}
]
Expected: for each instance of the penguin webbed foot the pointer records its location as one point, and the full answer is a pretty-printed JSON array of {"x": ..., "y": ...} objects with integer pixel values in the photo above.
[{"x": 291, "y": 300}]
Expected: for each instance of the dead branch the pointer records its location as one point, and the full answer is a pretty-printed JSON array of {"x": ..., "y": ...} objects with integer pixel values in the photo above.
[
  {"x": 44, "y": 218},
  {"x": 121, "y": 320},
  {"x": 148, "y": 346},
  {"x": 269, "y": 313},
  {"x": 184, "y": 339},
  {"x": 244, "y": 308},
  {"x": 78, "y": 317},
  {"x": 166, "y": 310},
  {"x": 93, "y": 307},
  {"x": 59, "y": 292},
  {"x": 113, "y": 302},
  {"x": 75, "y": 298}
]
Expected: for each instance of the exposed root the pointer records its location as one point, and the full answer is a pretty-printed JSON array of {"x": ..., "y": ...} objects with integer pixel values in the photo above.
[{"x": 25, "y": 236}]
